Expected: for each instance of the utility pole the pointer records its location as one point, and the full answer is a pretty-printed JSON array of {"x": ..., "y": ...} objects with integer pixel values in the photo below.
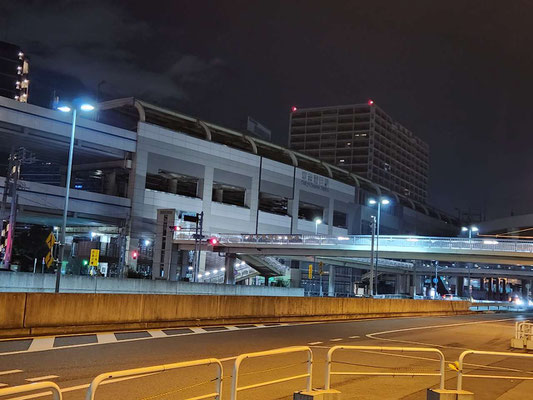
[
  {"x": 11, "y": 185},
  {"x": 373, "y": 229}
]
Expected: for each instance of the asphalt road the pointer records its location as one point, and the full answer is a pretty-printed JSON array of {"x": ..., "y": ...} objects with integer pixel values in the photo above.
[{"x": 72, "y": 362}]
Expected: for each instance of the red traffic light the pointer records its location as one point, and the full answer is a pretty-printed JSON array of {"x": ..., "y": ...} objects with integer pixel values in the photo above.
[
  {"x": 134, "y": 254},
  {"x": 213, "y": 241},
  {"x": 175, "y": 228}
]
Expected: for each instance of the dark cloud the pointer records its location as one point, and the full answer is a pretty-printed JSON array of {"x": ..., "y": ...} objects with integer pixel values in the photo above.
[{"x": 457, "y": 73}]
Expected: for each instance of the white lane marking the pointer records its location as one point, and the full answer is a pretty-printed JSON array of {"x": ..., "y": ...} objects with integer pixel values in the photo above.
[
  {"x": 42, "y": 378},
  {"x": 156, "y": 333},
  {"x": 197, "y": 330},
  {"x": 336, "y": 340},
  {"x": 44, "y": 343},
  {"x": 112, "y": 338},
  {"x": 371, "y": 335},
  {"x": 12, "y": 371},
  {"x": 314, "y": 343},
  {"x": 354, "y": 337},
  {"x": 231, "y": 328},
  {"x": 104, "y": 338}
]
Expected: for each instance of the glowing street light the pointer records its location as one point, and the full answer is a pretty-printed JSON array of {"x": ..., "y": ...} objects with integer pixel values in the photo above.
[
  {"x": 385, "y": 202},
  {"x": 318, "y": 221},
  {"x": 85, "y": 107}
]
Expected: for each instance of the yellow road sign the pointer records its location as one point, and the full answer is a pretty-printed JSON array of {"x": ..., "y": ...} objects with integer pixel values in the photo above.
[
  {"x": 95, "y": 255},
  {"x": 310, "y": 273},
  {"x": 48, "y": 260},
  {"x": 50, "y": 240}
]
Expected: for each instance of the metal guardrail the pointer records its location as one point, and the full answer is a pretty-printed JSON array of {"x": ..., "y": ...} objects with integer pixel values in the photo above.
[
  {"x": 461, "y": 375},
  {"x": 504, "y": 306},
  {"x": 235, "y": 389},
  {"x": 44, "y": 387},
  {"x": 331, "y": 351},
  {"x": 395, "y": 241},
  {"x": 91, "y": 391}
]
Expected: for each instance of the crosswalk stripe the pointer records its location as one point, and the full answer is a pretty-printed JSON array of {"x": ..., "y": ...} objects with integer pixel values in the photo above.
[
  {"x": 157, "y": 333},
  {"x": 39, "y": 344},
  {"x": 336, "y": 340},
  {"x": 106, "y": 338}
]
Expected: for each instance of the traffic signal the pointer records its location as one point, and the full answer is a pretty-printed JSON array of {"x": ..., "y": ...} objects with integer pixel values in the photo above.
[
  {"x": 134, "y": 254},
  {"x": 213, "y": 241},
  {"x": 85, "y": 262},
  {"x": 175, "y": 228}
]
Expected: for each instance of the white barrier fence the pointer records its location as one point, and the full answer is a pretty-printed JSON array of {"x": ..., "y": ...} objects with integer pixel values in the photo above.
[
  {"x": 330, "y": 373},
  {"x": 523, "y": 335},
  {"x": 461, "y": 375},
  {"x": 41, "y": 389},
  {"x": 235, "y": 389},
  {"x": 91, "y": 392}
]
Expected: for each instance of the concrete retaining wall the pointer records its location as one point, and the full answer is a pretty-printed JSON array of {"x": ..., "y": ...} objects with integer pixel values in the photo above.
[
  {"x": 28, "y": 282},
  {"x": 48, "y": 313}
]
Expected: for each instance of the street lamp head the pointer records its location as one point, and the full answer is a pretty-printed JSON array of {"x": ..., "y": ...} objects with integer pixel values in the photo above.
[
  {"x": 372, "y": 202},
  {"x": 64, "y": 108},
  {"x": 464, "y": 229},
  {"x": 86, "y": 107},
  {"x": 318, "y": 221},
  {"x": 385, "y": 201}
]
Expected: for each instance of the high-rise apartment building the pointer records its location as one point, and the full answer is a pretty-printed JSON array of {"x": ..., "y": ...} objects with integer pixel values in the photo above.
[
  {"x": 14, "y": 70},
  {"x": 363, "y": 139}
]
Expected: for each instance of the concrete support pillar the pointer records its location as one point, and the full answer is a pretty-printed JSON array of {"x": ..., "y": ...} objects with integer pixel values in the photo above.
[
  {"x": 293, "y": 207},
  {"x": 525, "y": 284},
  {"x": 173, "y": 185},
  {"x": 331, "y": 281},
  {"x": 460, "y": 286},
  {"x": 504, "y": 286},
  {"x": 329, "y": 216},
  {"x": 497, "y": 288},
  {"x": 481, "y": 283},
  {"x": 251, "y": 200},
  {"x": 206, "y": 194},
  {"x": 218, "y": 195},
  {"x": 229, "y": 273},
  {"x": 110, "y": 183},
  {"x": 489, "y": 286}
]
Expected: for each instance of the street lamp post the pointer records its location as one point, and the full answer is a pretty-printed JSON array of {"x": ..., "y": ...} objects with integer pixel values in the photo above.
[
  {"x": 65, "y": 108},
  {"x": 380, "y": 201},
  {"x": 470, "y": 229},
  {"x": 318, "y": 221}
]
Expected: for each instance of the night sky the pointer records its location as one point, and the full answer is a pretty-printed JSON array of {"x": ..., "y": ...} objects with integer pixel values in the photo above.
[{"x": 457, "y": 73}]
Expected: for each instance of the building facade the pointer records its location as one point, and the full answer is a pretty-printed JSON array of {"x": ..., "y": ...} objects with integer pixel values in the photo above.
[
  {"x": 145, "y": 158},
  {"x": 14, "y": 72},
  {"x": 364, "y": 140}
]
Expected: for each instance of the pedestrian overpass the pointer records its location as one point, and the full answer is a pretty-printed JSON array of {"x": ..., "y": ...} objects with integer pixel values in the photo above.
[{"x": 478, "y": 250}]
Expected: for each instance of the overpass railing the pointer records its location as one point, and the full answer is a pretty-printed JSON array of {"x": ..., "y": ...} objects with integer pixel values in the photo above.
[{"x": 399, "y": 241}]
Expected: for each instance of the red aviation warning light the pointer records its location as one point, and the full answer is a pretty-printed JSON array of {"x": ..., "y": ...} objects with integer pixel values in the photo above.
[
  {"x": 213, "y": 241},
  {"x": 370, "y": 102},
  {"x": 294, "y": 109}
]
